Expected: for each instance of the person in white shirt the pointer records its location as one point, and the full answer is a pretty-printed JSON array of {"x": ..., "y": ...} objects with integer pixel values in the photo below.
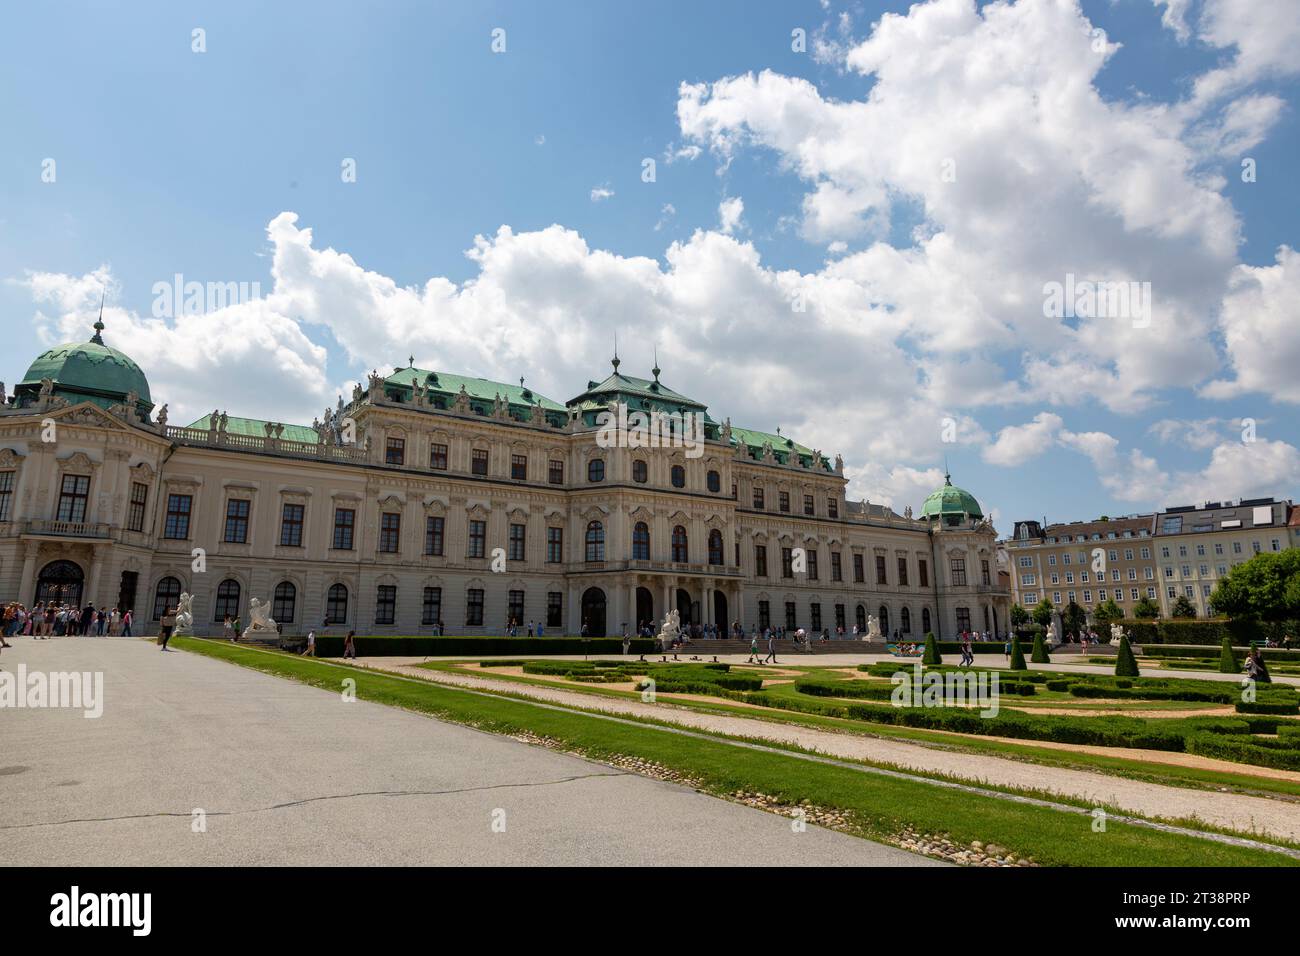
[{"x": 311, "y": 644}]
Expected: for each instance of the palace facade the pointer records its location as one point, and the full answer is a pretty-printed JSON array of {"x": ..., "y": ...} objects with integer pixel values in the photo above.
[{"x": 433, "y": 497}]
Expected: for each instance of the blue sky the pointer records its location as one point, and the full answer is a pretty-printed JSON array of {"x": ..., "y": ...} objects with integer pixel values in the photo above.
[{"x": 171, "y": 161}]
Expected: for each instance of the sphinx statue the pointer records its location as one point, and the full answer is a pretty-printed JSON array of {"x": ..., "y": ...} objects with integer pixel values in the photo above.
[{"x": 260, "y": 624}]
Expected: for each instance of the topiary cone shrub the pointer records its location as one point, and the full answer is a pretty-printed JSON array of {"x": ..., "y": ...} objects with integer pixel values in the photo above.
[
  {"x": 1228, "y": 663},
  {"x": 932, "y": 655},
  {"x": 1126, "y": 664},
  {"x": 1017, "y": 655},
  {"x": 1040, "y": 655}
]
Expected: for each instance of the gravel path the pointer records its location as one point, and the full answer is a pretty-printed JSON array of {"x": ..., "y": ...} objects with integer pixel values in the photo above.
[{"x": 1235, "y": 811}]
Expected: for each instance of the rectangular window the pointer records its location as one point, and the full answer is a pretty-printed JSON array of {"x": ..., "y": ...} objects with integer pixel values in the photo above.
[
  {"x": 515, "y": 607},
  {"x": 395, "y": 451},
  {"x": 478, "y": 461},
  {"x": 808, "y": 508},
  {"x": 764, "y": 615},
  {"x": 519, "y": 467},
  {"x": 555, "y": 472},
  {"x": 758, "y": 498},
  {"x": 902, "y": 571},
  {"x": 791, "y": 619},
  {"x": 177, "y": 526},
  {"x": 73, "y": 495},
  {"x": 516, "y": 550},
  {"x": 958, "y": 572},
  {"x": 434, "y": 526},
  {"x": 833, "y": 509},
  {"x": 783, "y": 500},
  {"x": 839, "y": 617},
  {"x": 6, "y": 495},
  {"x": 815, "y": 610},
  {"x": 963, "y": 619},
  {"x": 237, "y": 520},
  {"x": 812, "y": 564},
  {"x": 554, "y": 545},
  {"x": 837, "y": 569},
  {"x": 432, "y": 606},
  {"x": 438, "y": 457},
  {"x": 881, "y": 577},
  {"x": 386, "y": 604},
  {"x": 345, "y": 520},
  {"x": 477, "y": 539},
  {"x": 291, "y": 526},
  {"x": 985, "y": 575},
  {"x": 135, "y": 516},
  {"x": 555, "y": 609},
  {"x": 390, "y": 532},
  {"x": 859, "y": 572},
  {"x": 474, "y": 607},
  {"x": 760, "y": 560},
  {"x": 787, "y": 562}
]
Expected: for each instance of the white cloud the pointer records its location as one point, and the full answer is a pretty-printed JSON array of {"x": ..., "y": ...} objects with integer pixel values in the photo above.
[
  {"x": 1199, "y": 434},
  {"x": 729, "y": 213},
  {"x": 1260, "y": 320},
  {"x": 601, "y": 193},
  {"x": 1048, "y": 178},
  {"x": 1017, "y": 444}
]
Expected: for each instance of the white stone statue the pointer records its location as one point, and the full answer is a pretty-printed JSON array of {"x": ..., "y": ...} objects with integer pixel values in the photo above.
[
  {"x": 1116, "y": 632},
  {"x": 670, "y": 629},
  {"x": 873, "y": 629},
  {"x": 1056, "y": 627},
  {"x": 261, "y": 624},
  {"x": 184, "y": 615}
]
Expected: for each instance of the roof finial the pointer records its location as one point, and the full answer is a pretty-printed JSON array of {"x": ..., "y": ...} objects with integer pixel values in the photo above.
[
  {"x": 656, "y": 369},
  {"x": 410, "y": 362},
  {"x": 947, "y": 475},
  {"x": 99, "y": 323},
  {"x": 614, "y": 361}
]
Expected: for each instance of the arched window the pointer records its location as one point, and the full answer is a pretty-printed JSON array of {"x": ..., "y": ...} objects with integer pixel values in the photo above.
[
  {"x": 679, "y": 476},
  {"x": 336, "y": 605},
  {"x": 167, "y": 594},
  {"x": 595, "y": 541},
  {"x": 906, "y": 617},
  {"x": 640, "y": 472},
  {"x": 884, "y": 620},
  {"x": 596, "y": 469},
  {"x": 860, "y": 615},
  {"x": 715, "y": 481},
  {"x": 641, "y": 542},
  {"x": 715, "y": 546},
  {"x": 227, "y": 602},
  {"x": 925, "y": 620},
  {"x": 282, "y": 602},
  {"x": 679, "y": 544}
]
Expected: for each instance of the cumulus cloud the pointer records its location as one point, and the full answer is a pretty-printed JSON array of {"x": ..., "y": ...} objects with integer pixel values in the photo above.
[
  {"x": 1260, "y": 318},
  {"x": 729, "y": 213},
  {"x": 1016, "y": 444}
]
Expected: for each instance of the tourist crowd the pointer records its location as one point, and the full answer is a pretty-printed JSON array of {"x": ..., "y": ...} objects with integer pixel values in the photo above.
[{"x": 56, "y": 620}]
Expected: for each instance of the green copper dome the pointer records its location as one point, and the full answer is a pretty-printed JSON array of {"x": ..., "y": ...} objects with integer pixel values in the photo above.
[
  {"x": 88, "y": 371},
  {"x": 951, "y": 501}
]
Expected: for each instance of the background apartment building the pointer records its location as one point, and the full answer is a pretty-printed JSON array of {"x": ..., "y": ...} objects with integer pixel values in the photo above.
[
  {"x": 1199, "y": 546},
  {"x": 1088, "y": 562}
]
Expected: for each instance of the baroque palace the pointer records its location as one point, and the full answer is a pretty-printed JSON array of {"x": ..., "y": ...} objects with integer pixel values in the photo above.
[{"x": 432, "y": 497}]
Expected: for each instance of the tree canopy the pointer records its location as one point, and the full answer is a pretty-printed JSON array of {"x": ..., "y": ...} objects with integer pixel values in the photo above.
[{"x": 1266, "y": 588}]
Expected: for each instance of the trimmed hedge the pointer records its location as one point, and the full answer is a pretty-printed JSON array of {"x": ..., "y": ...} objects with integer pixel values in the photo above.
[
  {"x": 331, "y": 645},
  {"x": 1241, "y": 632},
  {"x": 1212, "y": 653}
]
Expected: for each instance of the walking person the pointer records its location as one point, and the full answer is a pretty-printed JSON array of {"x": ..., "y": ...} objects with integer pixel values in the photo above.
[
  {"x": 350, "y": 646},
  {"x": 127, "y": 618},
  {"x": 165, "y": 627},
  {"x": 310, "y": 650},
  {"x": 771, "y": 650},
  {"x": 753, "y": 650}
]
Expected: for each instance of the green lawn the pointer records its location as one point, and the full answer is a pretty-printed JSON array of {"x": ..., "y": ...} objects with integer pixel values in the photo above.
[{"x": 879, "y": 806}]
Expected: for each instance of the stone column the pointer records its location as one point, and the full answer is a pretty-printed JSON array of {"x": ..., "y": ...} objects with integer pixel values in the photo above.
[
  {"x": 26, "y": 593},
  {"x": 96, "y": 567}
]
